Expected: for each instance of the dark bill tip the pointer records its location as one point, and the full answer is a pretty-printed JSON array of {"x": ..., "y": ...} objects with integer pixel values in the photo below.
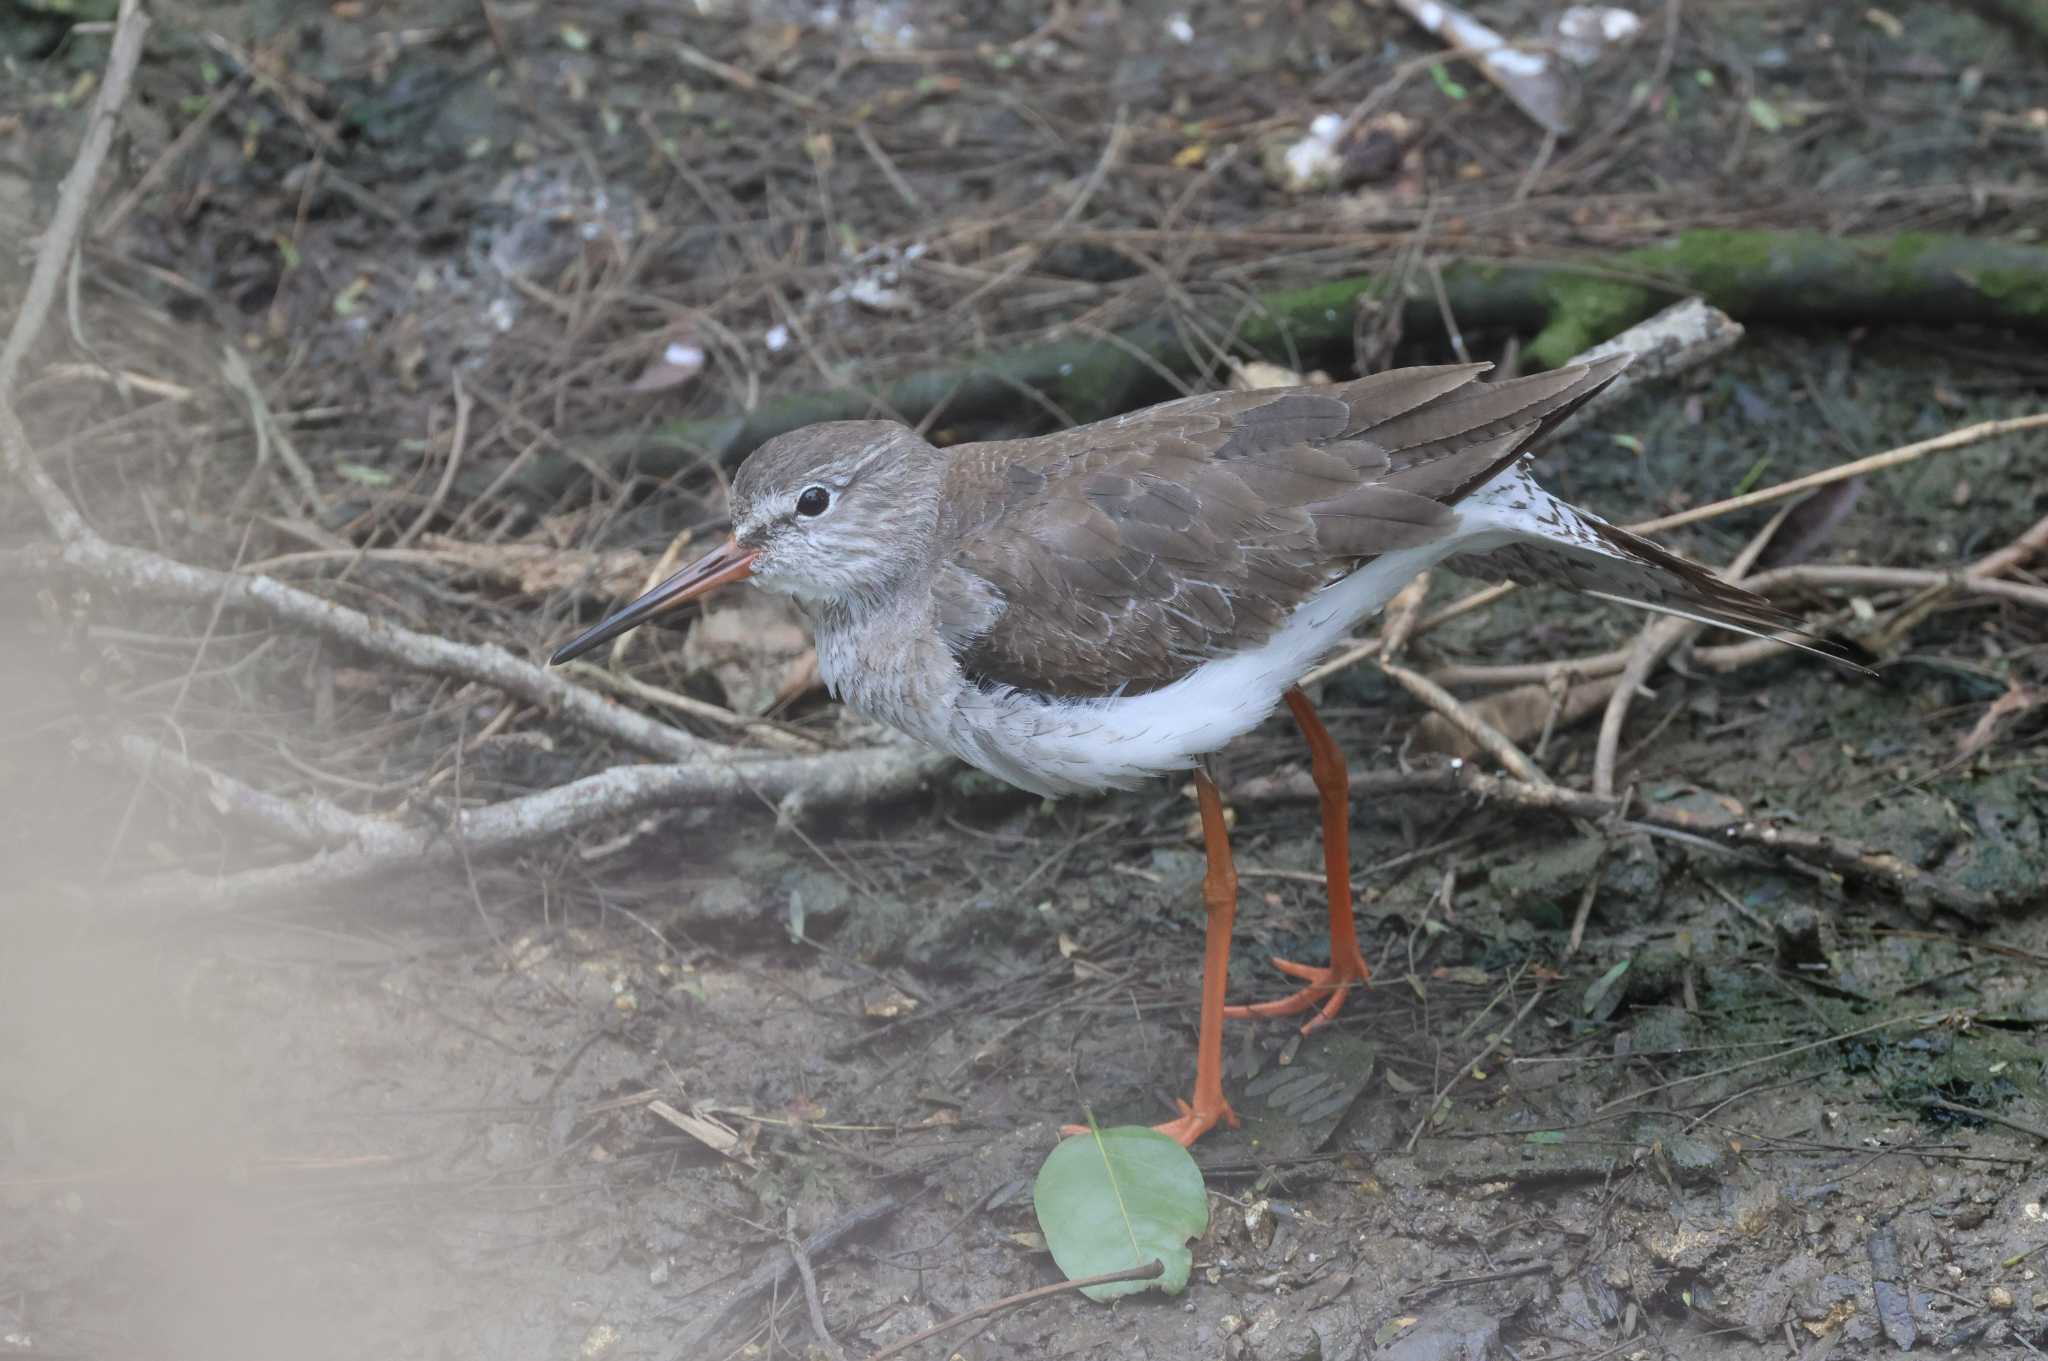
[{"x": 727, "y": 562}]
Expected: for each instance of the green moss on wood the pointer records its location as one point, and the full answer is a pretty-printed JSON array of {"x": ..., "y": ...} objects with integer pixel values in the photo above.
[
  {"x": 1796, "y": 277},
  {"x": 1585, "y": 311}
]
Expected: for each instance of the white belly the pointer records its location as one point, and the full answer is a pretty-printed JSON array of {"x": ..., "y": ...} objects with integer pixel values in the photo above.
[{"x": 1056, "y": 747}]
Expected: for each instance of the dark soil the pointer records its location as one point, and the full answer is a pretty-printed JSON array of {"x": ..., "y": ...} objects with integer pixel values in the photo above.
[{"x": 422, "y": 1120}]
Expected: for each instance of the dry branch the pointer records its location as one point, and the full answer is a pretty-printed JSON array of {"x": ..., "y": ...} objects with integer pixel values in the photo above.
[
  {"x": 1656, "y": 641},
  {"x": 1849, "y": 859},
  {"x": 377, "y": 848},
  {"x": 138, "y": 573}
]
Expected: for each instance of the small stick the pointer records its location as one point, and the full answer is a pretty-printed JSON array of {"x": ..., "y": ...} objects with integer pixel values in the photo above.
[
  {"x": 74, "y": 196},
  {"x": 1896, "y": 578},
  {"x": 775, "y": 1268},
  {"x": 1841, "y": 472},
  {"x": 307, "y": 821},
  {"x": 1850, "y": 859},
  {"x": 385, "y": 848},
  {"x": 1150, "y": 1271},
  {"x": 1397, "y": 620},
  {"x": 1500, "y": 1037},
  {"x": 767, "y": 732},
  {"x": 1936, "y": 1103},
  {"x": 458, "y": 443},
  {"x": 2014, "y": 554},
  {"x": 1654, "y": 644},
  {"x": 746, "y": 80},
  {"x": 812, "y": 1302},
  {"x": 1484, "y": 735},
  {"x": 1921, "y": 1020},
  {"x": 1537, "y": 673},
  {"x": 1585, "y": 912}
]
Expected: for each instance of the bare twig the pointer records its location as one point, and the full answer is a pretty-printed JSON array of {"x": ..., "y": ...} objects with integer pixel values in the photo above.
[
  {"x": 458, "y": 442},
  {"x": 60, "y": 239},
  {"x": 308, "y": 821},
  {"x": 746, "y": 80},
  {"x": 1534, "y": 673},
  {"x": 1919, "y": 1020},
  {"x": 767, "y": 733},
  {"x": 2015, "y": 554},
  {"x": 1652, "y": 646},
  {"x": 812, "y": 1301},
  {"x": 1150, "y": 1271},
  {"x": 778, "y": 1266},
  {"x": 269, "y": 434},
  {"x": 1839, "y": 855},
  {"x": 379, "y": 848},
  {"x": 1500, "y": 1037},
  {"x": 153, "y": 576},
  {"x": 1488, "y": 738},
  {"x": 1967, "y": 582},
  {"x": 2024, "y": 1127},
  {"x": 1890, "y": 458}
]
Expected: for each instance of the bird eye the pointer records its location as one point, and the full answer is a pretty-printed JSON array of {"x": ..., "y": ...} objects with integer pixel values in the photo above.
[{"x": 813, "y": 501}]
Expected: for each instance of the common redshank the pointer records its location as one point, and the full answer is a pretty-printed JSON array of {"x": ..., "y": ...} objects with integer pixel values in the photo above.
[{"x": 1093, "y": 608}]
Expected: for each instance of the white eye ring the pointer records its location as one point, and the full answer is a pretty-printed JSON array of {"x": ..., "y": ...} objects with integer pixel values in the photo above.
[{"x": 813, "y": 501}]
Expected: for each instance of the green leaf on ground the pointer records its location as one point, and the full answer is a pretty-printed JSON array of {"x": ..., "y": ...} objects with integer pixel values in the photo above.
[
  {"x": 1118, "y": 1198},
  {"x": 1602, "y": 986}
]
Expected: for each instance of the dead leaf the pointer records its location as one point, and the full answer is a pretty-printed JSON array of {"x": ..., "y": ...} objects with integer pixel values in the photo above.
[
  {"x": 755, "y": 645},
  {"x": 890, "y": 1005}
]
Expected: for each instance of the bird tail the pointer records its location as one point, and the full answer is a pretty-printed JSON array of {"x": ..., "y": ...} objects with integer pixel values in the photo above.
[{"x": 1548, "y": 541}]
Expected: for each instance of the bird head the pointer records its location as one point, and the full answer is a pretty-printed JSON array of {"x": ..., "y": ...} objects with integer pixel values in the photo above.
[{"x": 834, "y": 513}]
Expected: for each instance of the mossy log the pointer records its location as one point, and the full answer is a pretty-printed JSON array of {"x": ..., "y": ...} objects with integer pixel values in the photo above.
[{"x": 1793, "y": 278}]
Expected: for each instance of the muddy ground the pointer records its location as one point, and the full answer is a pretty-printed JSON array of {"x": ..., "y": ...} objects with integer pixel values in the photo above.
[{"x": 421, "y": 1119}]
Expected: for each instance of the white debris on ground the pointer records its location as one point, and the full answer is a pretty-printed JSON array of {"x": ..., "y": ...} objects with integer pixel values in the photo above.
[
  {"x": 539, "y": 220},
  {"x": 878, "y": 288},
  {"x": 1584, "y": 32},
  {"x": 1179, "y": 29},
  {"x": 879, "y": 27},
  {"x": 678, "y": 363},
  {"x": 1530, "y": 79},
  {"x": 1314, "y": 162}
]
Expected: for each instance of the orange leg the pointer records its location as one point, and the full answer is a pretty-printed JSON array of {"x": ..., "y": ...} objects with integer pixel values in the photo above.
[
  {"x": 1328, "y": 984},
  {"x": 1219, "y": 894}
]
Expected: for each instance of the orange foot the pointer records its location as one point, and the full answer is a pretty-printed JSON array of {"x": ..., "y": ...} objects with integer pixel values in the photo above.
[
  {"x": 1327, "y": 983},
  {"x": 1194, "y": 1122}
]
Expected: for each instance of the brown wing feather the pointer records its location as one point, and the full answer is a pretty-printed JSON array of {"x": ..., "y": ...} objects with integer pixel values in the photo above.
[{"x": 1123, "y": 554}]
